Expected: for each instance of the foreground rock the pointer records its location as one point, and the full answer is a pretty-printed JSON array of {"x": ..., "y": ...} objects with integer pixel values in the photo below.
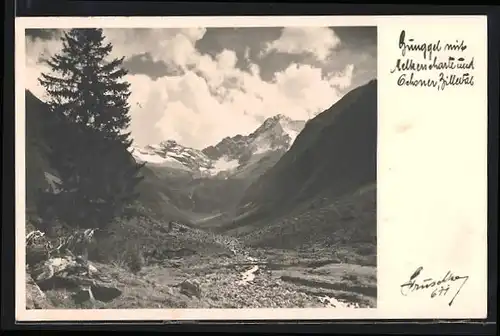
[
  {"x": 75, "y": 275},
  {"x": 190, "y": 288}
]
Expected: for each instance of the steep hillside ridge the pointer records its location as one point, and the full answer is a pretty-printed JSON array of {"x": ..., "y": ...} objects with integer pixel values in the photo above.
[
  {"x": 41, "y": 124},
  {"x": 348, "y": 223},
  {"x": 37, "y": 118},
  {"x": 335, "y": 154}
]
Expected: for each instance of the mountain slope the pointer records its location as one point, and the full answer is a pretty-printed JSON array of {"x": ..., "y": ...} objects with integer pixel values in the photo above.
[
  {"x": 334, "y": 155},
  {"x": 37, "y": 118},
  {"x": 40, "y": 123}
]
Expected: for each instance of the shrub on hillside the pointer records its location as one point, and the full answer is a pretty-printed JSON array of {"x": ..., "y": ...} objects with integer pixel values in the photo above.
[
  {"x": 117, "y": 250},
  {"x": 135, "y": 258}
]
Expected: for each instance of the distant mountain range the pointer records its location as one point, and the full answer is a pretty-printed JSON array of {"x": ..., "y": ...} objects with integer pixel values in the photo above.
[
  {"x": 212, "y": 180},
  {"x": 232, "y": 156}
]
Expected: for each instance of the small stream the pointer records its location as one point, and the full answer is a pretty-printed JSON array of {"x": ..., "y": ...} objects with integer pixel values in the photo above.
[{"x": 249, "y": 276}]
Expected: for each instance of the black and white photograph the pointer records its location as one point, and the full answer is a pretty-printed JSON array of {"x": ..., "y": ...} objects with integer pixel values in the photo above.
[{"x": 201, "y": 167}]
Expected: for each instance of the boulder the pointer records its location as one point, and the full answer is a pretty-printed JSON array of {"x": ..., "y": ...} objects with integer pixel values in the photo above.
[
  {"x": 49, "y": 268},
  {"x": 190, "y": 288},
  {"x": 105, "y": 292},
  {"x": 102, "y": 291},
  {"x": 78, "y": 276}
]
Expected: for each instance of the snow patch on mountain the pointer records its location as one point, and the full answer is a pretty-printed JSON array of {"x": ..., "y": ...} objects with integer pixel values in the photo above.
[
  {"x": 152, "y": 157},
  {"x": 170, "y": 154},
  {"x": 223, "y": 164},
  {"x": 144, "y": 156},
  {"x": 263, "y": 148}
]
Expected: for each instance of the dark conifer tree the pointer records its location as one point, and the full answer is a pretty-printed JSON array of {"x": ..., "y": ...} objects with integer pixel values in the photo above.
[{"x": 90, "y": 150}]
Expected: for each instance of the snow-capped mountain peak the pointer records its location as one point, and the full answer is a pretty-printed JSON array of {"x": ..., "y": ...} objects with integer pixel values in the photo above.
[
  {"x": 171, "y": 154},
  {"x": 275, "y": 133},
  {"x": 289, "y": 127},
  {"x": 231, "y": 154}
]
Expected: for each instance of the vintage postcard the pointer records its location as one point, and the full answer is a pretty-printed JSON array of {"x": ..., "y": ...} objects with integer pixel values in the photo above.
[{"x": 251, "y": 168}]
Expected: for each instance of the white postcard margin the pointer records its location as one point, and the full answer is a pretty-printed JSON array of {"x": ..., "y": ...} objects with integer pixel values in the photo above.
[{"x": 432, "y": 173}]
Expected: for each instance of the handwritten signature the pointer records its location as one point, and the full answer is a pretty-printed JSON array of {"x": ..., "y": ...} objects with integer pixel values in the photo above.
[{"x": 437, "y": 287}]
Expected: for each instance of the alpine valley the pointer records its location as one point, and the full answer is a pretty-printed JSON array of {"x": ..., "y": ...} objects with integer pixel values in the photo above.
[
  {"x": 282, "y": 217},
  {"x": 211, "y": 180}
]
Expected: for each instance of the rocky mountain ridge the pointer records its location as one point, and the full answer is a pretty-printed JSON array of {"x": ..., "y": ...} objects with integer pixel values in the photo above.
[{"x": 231, "y": 156}]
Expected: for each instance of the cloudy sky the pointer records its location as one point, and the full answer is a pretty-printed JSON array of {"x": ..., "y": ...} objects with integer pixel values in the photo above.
[{"x": 199, "y": 85}]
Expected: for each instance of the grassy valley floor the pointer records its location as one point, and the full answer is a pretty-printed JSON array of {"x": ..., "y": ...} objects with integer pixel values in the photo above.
[{"x": 278, "y": 281}]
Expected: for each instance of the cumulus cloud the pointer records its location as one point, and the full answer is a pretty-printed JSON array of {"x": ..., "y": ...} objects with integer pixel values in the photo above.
[
  {"x": 212, "y": 98},
  {"x": 199, "y": 109},
  {"x": 319, "y": 41},
  {"x": 36, "y": 51},
  {"x": 175, "y": 46}
]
